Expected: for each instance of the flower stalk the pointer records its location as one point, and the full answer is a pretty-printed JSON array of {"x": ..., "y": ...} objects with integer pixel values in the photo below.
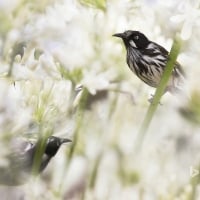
[{"x": 160, "y": 89}]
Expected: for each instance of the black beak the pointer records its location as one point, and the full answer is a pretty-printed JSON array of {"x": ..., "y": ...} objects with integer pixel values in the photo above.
[
  {"x": 121, "y": 35},
  {"x": 64, "y": 140}
]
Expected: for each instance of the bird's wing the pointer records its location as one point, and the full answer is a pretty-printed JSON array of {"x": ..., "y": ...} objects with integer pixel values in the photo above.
[{"x": 153, "y": 49}]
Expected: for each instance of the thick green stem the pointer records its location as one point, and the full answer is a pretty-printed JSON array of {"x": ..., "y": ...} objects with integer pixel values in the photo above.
[
  {"x": 40, "y": 148},
  {"x": 161, "y": 88}
]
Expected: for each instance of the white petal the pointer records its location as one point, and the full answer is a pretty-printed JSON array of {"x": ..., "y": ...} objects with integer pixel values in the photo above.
[
  {"x": 186, "y": 30},
  {"x": 177, "y": 18}
]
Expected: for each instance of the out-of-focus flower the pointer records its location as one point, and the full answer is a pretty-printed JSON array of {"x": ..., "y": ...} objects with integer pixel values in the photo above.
[
  {"x": 67, "y": 40},
  {"x": 188, "y": 15},
  {"x": 7, "y": 6},
  {"x": 12, "y": 106},
  {"x": 76, "y": 182},
  {"x": 96, "y": 81}
]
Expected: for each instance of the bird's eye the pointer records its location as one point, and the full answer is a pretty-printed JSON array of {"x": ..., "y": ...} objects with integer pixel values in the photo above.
[{"x": 136, "y": 37}]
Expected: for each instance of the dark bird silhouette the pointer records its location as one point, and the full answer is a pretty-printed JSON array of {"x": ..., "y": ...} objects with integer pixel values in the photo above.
[
  {"x": 23, "y": 159},
  {"x": 148, "y": 59}
]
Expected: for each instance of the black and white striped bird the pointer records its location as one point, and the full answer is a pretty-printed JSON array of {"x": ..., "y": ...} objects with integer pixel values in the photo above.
[
  {"x": 21, "y": 159},
  {"x": 148, "y": 59}
]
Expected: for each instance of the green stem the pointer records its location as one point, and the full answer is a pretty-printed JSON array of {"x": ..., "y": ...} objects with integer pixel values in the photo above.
[
  {"x": 79, "y": 122},
  {"x": 39, "y": 151},
  {"x": 160, "y": 90}
]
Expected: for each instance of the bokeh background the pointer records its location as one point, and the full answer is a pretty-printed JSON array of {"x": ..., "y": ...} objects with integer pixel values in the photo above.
[{"x": 62, "y": 73}]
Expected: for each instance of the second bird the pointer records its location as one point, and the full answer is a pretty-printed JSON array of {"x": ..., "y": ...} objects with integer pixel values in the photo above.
[{"x": 21, "y": 160}]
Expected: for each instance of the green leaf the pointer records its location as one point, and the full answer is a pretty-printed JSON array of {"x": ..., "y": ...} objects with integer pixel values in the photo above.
[
  {"x": 6, "y": 23},
  {"x": 99, "y": 4}
]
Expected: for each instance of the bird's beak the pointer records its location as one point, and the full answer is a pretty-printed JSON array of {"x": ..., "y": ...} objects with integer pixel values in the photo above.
[
  {"x": 65, "y": 140},
  {"x": 121, "y": 35}
]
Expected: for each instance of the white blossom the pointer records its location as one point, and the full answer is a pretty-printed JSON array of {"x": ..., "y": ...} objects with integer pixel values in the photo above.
[{"x": 188, "y": 14}]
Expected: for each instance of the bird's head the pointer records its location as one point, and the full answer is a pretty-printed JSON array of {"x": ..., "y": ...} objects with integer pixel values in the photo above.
[
  {"x": 53, "y": 144},
  {"x": 134, "y": 39}
]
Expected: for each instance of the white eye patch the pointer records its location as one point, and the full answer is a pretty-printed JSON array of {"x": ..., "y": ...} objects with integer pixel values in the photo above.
[{"x": 132, "y": 43}]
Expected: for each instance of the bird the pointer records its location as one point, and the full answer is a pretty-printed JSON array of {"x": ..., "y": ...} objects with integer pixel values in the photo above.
[
  {"x": 148, "y": 59},
  {"x": 21, "y": 159}
]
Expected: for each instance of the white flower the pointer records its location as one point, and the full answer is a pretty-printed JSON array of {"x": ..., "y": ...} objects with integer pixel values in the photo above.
[
  {"x": 94, "y": 81},
  {"x": 189, "y": 15},
  {"x": 8, "y": 6}
]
